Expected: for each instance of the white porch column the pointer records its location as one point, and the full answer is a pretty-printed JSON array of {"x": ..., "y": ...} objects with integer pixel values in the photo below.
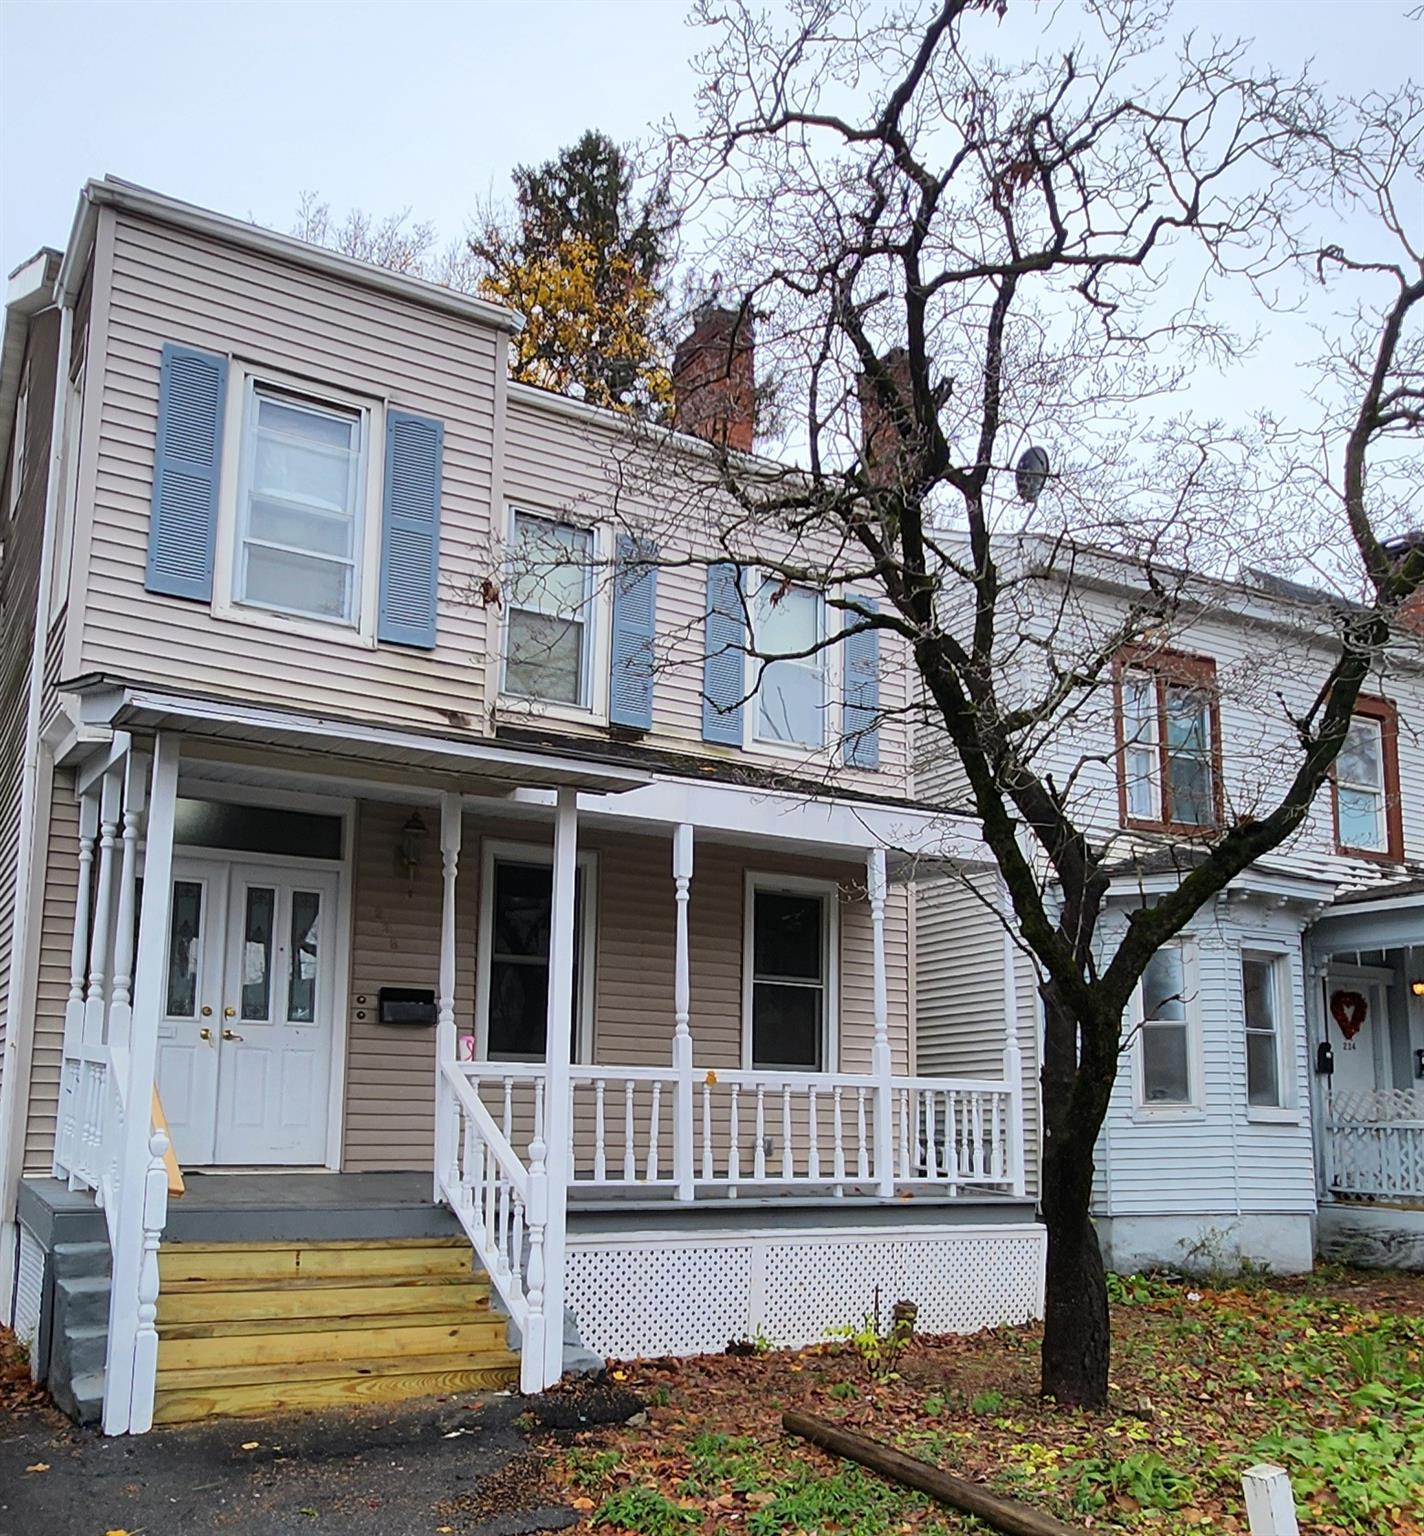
[
  {"x": 557, "y": 1117},
  {"x": 1013, "y": 1055},
  {"x": 121, "y": 999},
  {"x": 682, "y": 1011},
  {"x": 101, "y": 934},
  {"x": 71, "y": 1083},
  {"x": 445, "y": 1149},
  {"x": 128, "y": 1386},
  {"x": 880, "y": 1056}
]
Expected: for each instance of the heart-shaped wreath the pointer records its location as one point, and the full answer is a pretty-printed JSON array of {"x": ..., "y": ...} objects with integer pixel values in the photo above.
[{"x": 1349, "y": 1010}]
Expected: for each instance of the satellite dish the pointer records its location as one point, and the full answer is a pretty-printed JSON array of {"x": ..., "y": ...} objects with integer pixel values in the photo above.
[{"x": 1030, "y": 474}]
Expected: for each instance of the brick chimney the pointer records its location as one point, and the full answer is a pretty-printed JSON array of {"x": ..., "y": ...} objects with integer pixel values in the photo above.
[
  {"x": 714, "y": 378},
  {"x": 1411, "y": 615},
  {"x": 880, "y": 442}
]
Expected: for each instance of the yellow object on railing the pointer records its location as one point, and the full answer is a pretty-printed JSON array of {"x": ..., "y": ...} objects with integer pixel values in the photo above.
[{"x": 170, "y": 1161}]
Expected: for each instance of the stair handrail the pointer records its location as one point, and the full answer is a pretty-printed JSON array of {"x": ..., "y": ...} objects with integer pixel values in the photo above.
[
  {"x": 488, "y": 1129},
  {"x": 503, "y": 1208}
]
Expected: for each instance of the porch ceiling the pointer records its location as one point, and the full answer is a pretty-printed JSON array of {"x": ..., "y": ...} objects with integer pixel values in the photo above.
[
  {"x": 352, "y": 742},
  {"x": 1386, "y": 918}
]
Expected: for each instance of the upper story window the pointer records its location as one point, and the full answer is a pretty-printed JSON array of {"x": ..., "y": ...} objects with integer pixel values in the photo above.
[
  {"x": 301, "y": 507},
  {"x": 1365, "y": 784},
  {"x": 294, "y": 506},
  {"x": 791, "y": 697},
  {"x": 1166, "y": 1077},
  {"x": 549, "y": 628},
  {"x": 1170, "y": 742}
]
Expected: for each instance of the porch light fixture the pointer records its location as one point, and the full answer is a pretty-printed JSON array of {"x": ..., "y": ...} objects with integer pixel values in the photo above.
[
  {"x": 412, "y": 846},
  {"x": 1417, "y": 986}
]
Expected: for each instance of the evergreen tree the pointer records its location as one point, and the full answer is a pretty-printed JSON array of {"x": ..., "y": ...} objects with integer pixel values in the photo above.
[{"x": 582, "y": 260}]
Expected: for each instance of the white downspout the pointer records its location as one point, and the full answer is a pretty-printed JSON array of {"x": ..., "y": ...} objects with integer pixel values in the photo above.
[{"x": 20, "y": 1006}]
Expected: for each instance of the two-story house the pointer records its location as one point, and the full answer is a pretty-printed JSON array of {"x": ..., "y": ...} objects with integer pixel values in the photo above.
[
  {"x": 424, "y": 936},
  {"x": 1270, "y": 1098}
]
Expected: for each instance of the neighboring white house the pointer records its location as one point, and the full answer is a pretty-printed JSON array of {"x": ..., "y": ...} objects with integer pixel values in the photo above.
[
  {"x": 394, "y": 878},
  {"x": 1271, "y": 1098}
]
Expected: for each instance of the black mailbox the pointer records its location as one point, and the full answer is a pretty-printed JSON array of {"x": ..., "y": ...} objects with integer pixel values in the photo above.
[{"x": 406, "y": 1005}]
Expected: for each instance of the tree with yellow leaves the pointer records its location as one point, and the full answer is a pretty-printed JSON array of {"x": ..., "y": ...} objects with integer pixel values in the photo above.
[{"x": 581, "y": 259}]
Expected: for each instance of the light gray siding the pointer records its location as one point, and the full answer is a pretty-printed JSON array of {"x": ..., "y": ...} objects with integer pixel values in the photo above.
[{"x": 960, "y": 1027}]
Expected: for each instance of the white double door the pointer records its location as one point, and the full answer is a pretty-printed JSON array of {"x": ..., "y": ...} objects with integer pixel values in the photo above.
[{"x": 245, "y": 1037}]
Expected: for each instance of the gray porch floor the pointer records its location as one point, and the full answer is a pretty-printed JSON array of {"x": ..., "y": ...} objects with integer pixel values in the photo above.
[{"x": 290, "y": 1207}]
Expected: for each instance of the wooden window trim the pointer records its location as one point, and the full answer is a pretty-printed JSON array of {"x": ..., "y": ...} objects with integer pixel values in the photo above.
[
  {"x": 1386, "y": 712},
  {"x": 1168, "y": 667}
]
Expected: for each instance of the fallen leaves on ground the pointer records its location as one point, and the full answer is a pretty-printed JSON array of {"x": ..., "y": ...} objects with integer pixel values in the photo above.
[{"x": 1325, "y": 1376}]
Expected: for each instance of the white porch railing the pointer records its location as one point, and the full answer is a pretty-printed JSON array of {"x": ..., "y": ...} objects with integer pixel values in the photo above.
[
  {"x": 107, "y": 1067},
  {"x": 1374, "y": 1144},
  {"x": 761, "y": 1131},
  {"x": 502, "y": 1205}
]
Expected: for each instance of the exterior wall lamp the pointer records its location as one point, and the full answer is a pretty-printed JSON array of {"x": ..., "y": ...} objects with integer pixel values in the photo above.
[
  {"x": 1417, "y": 986},
  {"x": 412, "y": 846}
]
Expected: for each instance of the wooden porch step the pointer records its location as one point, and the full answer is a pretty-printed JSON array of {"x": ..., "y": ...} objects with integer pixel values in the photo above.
[
  {"x": 324, "y": 1370},
  {"x": 183, "y": 1406},
  {"x": 253, "y": 1328},
  {"x": 311, "y": 1302},
  {"x": 416, "y": 1257}
]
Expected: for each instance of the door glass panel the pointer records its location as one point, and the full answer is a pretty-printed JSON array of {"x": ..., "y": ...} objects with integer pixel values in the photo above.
[
  {"x": 184, "y": 936},
  {"x": 306, "y": 937},
  {"x": 257, "y": 952}
]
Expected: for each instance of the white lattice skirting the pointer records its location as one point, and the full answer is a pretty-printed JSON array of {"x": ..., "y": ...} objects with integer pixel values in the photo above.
[
  {"x": 677, "y": 1294},
  {"x": 28, "y": 1293}
]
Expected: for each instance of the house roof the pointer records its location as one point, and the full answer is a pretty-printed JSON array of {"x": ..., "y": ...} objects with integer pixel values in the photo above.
[{"x": 1386, "y": 890}]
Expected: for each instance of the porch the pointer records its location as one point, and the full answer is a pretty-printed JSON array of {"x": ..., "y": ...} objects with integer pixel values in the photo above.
[
  {"x": 605, "y": 1102},
  {"x": 1369, "y": 953}
]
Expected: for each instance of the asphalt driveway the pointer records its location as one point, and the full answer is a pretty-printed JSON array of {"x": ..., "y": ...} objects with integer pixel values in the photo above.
[{"x": 460, "y": 1466}]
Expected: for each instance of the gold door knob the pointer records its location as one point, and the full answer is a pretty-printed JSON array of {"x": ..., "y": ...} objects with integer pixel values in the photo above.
[
  {"x": 205, "y": 1034},
  {"x": 229, "y": 1013},
  {"x": 228, "y": 1035}
]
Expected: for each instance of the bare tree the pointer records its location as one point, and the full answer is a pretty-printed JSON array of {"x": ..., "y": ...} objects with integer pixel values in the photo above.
[{"x": 947, "y": 256}]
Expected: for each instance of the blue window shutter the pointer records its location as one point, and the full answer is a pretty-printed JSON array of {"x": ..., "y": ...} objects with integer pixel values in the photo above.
[
  {"x": 724, "y": 664},
  {"x": 410, "y": 530},
  {"x": 635, "y": 606},
  {"x": 860, "y": 714},
  {"x": 183, "y": 527}
]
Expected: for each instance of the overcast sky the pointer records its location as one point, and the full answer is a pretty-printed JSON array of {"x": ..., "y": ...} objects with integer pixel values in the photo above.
[{"x": 243, "y": 106}]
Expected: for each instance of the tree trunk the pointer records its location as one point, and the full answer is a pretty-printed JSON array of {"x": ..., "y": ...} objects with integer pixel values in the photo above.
[
  {"x": 1077, "y": 1338},
  {"x": 1078, "y": 1071}
]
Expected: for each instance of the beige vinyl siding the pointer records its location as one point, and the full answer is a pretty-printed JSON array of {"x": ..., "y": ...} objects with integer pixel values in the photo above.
[
  {"x": 61, "y": 883},
  {"x": 22, "y": 536},
  {"x": 172, "y": 286},
  {"x": 959, "y": 995},
  {"x": 580, "y": 469},
  {"x": 390, "y": 1071}
]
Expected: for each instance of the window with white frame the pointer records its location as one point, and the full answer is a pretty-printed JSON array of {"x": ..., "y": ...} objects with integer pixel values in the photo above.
[
  {"x": 790, "y": 976},
  {"x": 19, "y": 441},
  {"x": 548, "y": 652},
  {"x": 790, "y": 707},
  {"x": 1360, "y": 787},
  {"x": 1262, "y": 980},
  {"x": 519, "y": 906},
  {"x": 1165, "y": 1075},
  {"x": 301, "y": 524}
]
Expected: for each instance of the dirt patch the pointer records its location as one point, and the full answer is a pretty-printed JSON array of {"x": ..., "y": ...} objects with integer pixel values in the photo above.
[
  {"x": 18, "y": 1394},
  {"x": 584, "y": 1401}
]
